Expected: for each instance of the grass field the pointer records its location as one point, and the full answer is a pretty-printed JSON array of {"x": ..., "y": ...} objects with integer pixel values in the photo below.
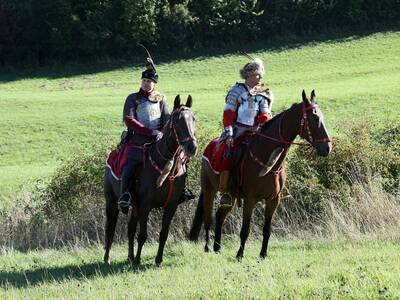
[
  {"x": 294, "y": 270},
  {"x": 48, "y": 114}
]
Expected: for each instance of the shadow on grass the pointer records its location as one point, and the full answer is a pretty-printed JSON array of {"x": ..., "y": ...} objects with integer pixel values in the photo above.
[
  {"x": 38, "y": 276},
  {"x": 58, "y": 70}
]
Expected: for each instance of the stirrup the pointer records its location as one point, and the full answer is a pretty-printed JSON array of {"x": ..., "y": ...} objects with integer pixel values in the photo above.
[
  {"x": 187, "y": 195},
  {"x": 124, "y": 202},
  {"x": 226, "y": 200}
]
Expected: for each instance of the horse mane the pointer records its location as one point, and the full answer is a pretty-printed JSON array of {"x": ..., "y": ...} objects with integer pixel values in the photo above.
[{"x": 275, "y": 119}]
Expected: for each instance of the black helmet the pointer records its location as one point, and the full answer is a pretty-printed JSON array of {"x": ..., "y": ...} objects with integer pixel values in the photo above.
[{"x": 150, "y": 74}]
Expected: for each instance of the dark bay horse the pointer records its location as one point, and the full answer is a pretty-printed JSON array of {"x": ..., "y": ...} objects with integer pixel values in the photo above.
[
  {"x": 254, "y": 179},
  {"x": 166, "y": 153}
]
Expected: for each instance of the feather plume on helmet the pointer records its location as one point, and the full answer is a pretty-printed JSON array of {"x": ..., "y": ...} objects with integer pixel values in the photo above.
[
  {"x": 150, "y": 72},
  {"x": 255, "y": 66}
]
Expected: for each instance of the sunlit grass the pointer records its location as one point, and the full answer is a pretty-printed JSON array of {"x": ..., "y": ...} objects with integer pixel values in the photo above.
[
  {"x": 46, "y": 118},
  {"x": 299, "y": 270}
]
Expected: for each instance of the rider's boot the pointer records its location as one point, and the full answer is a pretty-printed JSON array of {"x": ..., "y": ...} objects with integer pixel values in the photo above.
[
  {"x": 226, "y": 197},
  {"x": 187, "y": 195},
  {"x": 126, "y": 198}
]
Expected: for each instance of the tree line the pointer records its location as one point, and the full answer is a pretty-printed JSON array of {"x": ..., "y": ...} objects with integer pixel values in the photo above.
[{"x": 38, "y": 31}]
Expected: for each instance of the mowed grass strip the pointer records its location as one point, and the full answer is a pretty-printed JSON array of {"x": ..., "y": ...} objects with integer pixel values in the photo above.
[
  {"x": 47, "y": 117},
  {"x": 294, "y": 270}
]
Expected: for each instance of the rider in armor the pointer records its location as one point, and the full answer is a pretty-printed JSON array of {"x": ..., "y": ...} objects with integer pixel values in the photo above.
[
  {"x": 145, "y": 114},
  {"x": 247, "y": 106}
]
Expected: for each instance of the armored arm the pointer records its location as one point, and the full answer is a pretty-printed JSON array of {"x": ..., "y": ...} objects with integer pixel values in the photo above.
[{"x": 231, "y": 105}]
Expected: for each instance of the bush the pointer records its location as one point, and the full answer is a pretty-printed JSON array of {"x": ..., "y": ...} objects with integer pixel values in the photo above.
[
  {"x": 356, "y": 187},
  {"x": 39, "y": 31}
]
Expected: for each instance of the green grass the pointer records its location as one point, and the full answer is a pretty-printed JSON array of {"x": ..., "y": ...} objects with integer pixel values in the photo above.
[
  {"x": 47, "y": 117},
  {"x": 294, "y": 270}
]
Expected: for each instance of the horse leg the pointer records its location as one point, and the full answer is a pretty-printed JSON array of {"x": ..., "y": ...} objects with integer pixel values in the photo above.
[
  {"x": 167, "y": 217},
  {"x": 143, "y": 217},
  {"x": 197, "y": 220},
  {"x": 244, "y": 232},
  {"x": 111, "y": 222},
  {"x": 208, "y": 209},
  {"x": 133, "y": 220},
  {"x": 270, "y": 207},
  {"x": 220, "y": 218}
]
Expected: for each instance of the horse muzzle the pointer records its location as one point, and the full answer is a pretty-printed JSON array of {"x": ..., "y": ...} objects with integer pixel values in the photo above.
[
  {"x": 190, "y": 148},
  {"x": 324, "y": 149}
]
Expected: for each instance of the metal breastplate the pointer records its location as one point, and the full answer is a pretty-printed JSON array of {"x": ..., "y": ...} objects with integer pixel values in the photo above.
[
  {"x": 149, "y": 113},
  {"x": 248, "y": 108}
]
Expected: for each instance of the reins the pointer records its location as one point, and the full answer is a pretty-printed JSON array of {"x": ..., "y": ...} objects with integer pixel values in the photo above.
[
  {"x": 172, "y": 133},
  {"x": 304, "y": 132}
]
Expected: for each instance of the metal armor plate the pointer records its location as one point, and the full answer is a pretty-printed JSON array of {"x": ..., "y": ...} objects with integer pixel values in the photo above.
[
  {"x": 149, "y": 113},
  {"x": 248, "y": 109}
]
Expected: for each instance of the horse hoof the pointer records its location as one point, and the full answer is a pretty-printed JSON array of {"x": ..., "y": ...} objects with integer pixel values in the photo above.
[
  {"x": 107, "y": 261},
  {"x": 206, "y": 249},
  {"x": 239, "y": 256},
  {"x": 158, "y": 262},
  {"x": 136, "y": 262},
  {"x": 263, "y": 256},
  {"x": 217, "y": 247},
  {"x": 131, "y": 259}
]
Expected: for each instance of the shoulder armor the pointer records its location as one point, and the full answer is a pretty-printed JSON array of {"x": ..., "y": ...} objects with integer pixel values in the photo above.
[
  {"x": 238, "y": 88},
  {"x": 156, "y": 97},
  {"x": 263, "y": 92}
]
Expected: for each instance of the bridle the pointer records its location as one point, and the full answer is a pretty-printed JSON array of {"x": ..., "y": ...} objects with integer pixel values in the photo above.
[
  {"x": 172, "y": 133},
  {"x": 173, "y": 128},
  {"x": 304, "y": 130}
]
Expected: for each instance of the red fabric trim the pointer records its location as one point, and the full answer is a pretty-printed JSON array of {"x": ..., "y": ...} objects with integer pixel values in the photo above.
[
  {"x": 118, "y": 158},
  {"x": 229, "y": 118},
  {"x": 144, "y": 93},
  {"x": 137, "y": 127},
  {"x": 215, "y": 151},
  {"x": 263, "y": 118}
]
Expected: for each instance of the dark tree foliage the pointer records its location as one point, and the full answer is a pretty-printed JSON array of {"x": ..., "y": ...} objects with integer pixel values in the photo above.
[{"x": 39, "y": 31}]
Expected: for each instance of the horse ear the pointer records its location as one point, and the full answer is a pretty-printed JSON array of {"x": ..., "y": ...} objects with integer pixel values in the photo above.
[
  {"x": 177, "y": 101},
  {"x": 305, "y": 99},
  {"x": 313, "y": 96},
  {"x": 189, "y": 101}
]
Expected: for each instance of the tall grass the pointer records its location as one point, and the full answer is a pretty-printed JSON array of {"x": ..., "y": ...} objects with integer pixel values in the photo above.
[{"x": 352, "y": 193}]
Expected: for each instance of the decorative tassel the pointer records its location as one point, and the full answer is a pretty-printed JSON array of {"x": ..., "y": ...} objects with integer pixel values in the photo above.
[{"x": 165, "y": 172}]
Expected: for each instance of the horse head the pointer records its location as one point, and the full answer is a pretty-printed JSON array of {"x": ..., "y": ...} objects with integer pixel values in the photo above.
[
  {"x": 183, "y": 124},
  {"x": 312, "y": 126}
]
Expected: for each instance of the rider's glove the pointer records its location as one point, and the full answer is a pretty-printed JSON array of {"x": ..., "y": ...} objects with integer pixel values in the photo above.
[
  {"x": 228, "y": 130},
  {"x": 157, "y": 134}
]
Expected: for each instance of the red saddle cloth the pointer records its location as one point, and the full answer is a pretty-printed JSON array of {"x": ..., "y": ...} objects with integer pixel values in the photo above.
[
  {"x": 214, "y": 153},
  {"x": 118, "y": 158}
]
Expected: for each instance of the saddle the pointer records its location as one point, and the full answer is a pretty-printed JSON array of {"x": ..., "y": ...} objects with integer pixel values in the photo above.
[
  {"x": 215, "y": 150},
  {"x": 118, "y": 158}
]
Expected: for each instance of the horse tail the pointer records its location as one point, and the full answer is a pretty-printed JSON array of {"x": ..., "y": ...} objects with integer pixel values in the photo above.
[{"x": 198, "y": 220}]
